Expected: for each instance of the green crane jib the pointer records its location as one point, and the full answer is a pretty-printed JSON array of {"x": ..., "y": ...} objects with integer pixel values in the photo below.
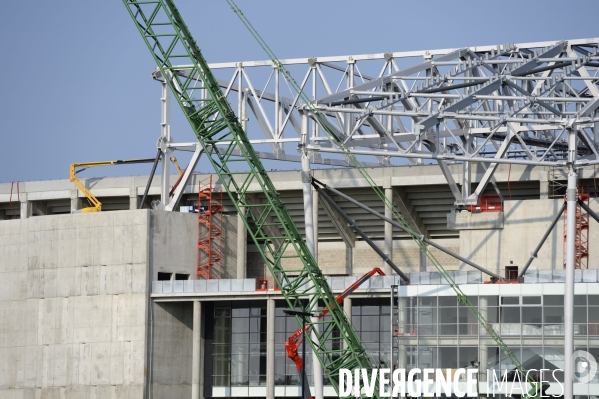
[
  {"x": 536, "y": 390},
  {"x": 268, "y": 222}
]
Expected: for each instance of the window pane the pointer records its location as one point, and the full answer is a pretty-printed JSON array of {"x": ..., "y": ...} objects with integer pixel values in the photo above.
[
  {"x": 467, "y": 356},
  {"x": 553, "y": 300},
  {"x": 370, "y": 310},
  {"x": 580, "y": 314},
  {"x": 466, "y": 316},
  {"x": 370, "y": 323},
  {"x": 553, "y": 314},
  {"x": 532, "y": 315},
  {"x": 428, "y": 357},
  {"x": 427, "y": 316},
  {"x": 531, "y": 300},
  {"x": 427, "y": 301},
  {"x": 448, "y": 329},
  {"x": 448, "y": 315},
  {"x": 242, "y": 312},
  {"x": 240, "y": 325},
  {"x": 448, "y": 357},
  {"x": 510, "y": 300},
  {"x": 492, "y": 314},
  {"x": 510, "y": 315},
  {"x": 490, "y": 300},
  {"x": 448, "y": 301},
  {"x": 580, "y": 299}
]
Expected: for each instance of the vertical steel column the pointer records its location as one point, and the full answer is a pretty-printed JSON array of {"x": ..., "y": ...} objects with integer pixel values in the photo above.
[
  {"x": 270, "y": 348},
  {"x": 402, "y": 329},
  {"x": 310, "y": 239},
  {"x": 241, "y": 229},
  {"x": 571, "y": 197},
  {"x": 350, "y": 83},
  {"x": 391, "y": 311},
  {"x": 277, "y": 107},
  {"x": 314, "y": 89},
  {"x": 388, "y": 227},
  {"x": 196, "y": 366},
  {"x": 242, "y": 238},
  {"x": 466, "y": 173},
  {"x": 596, "y": 129},
  {"x": 165, "y": 139}
]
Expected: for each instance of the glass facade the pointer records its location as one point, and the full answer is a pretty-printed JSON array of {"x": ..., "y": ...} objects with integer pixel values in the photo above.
[
  {"x": 239, "y": 345},
  {"x": 437, "y": 332},
  {"x": 428, "y": 331},
  {"x": 371, "y": 319},
  {"x": 286, "y": 372}
]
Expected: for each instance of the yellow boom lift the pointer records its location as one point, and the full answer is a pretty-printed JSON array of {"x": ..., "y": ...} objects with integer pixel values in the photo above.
[{"x": 96, "y": 205}]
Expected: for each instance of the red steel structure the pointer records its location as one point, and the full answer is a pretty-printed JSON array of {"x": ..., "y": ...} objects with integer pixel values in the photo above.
[
  {"x": 210, "y": 230},
  {"x": 581, "y": 260}
]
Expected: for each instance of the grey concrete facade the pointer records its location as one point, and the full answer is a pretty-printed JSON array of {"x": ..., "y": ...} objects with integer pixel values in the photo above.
[{"x": 74, "y": 306}]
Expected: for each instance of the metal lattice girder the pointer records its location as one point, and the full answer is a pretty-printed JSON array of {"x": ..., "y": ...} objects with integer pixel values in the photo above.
[
  {"x": 215, "y": 125},
  {"x": 494, "y": 104}
]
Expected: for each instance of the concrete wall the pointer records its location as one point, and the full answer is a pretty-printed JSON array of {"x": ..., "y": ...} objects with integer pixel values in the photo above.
[
  {"x": 174, "y": 243},
  {"x": 73, "y": 301},
  {"x": 73, "y": 305},
  {"x": 524, "y": 224},
  {"x": 171, "y": 350},
  {"x": 332, "y": 258}
]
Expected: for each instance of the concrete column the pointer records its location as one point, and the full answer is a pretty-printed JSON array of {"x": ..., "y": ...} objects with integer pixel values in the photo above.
[
  {"x": 347, "y": 311},
  {"x": 423, "y": 258},
  {"x": 270, "y": 348},
  {"x": 196, "y": 365},
  {"x": 133, "y": 199},
  {"x": 25, "y": 206},
  {"x": 388, "y": 227},
  {"x": 242, "y": 237},
  {"x": 483, "y": 348},
  {"x": 402, "y": 327},
  {"x": 75, "y": 201},
  {"x": 544, "y": 184}
]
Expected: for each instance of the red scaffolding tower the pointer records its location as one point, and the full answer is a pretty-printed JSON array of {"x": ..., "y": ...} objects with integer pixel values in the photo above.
[
  {"x": 210, "y": 233},
  {"x": 581, "y": 260}
]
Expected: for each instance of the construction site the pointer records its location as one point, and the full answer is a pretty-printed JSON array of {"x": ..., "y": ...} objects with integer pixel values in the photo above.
[{"x": 402, "y": 210}]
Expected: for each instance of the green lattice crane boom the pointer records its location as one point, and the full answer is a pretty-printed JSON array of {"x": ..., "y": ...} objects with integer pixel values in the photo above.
[
  {"x": 322, "y": 120},
  {"x": 269, "y": 224}
]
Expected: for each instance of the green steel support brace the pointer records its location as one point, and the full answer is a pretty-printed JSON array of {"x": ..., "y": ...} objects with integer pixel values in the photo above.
[{"x": 269, "y": 224}]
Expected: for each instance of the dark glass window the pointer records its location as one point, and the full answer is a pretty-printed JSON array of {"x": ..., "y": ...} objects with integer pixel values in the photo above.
[{"x": 239, "y": 352}]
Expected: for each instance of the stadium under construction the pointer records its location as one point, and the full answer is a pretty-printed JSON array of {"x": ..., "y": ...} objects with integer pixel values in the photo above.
[{"x": 423, "y": 209}]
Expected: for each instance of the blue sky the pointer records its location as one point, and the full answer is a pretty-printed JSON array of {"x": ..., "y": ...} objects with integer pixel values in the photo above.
[{"x": 76, "y": 75}]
